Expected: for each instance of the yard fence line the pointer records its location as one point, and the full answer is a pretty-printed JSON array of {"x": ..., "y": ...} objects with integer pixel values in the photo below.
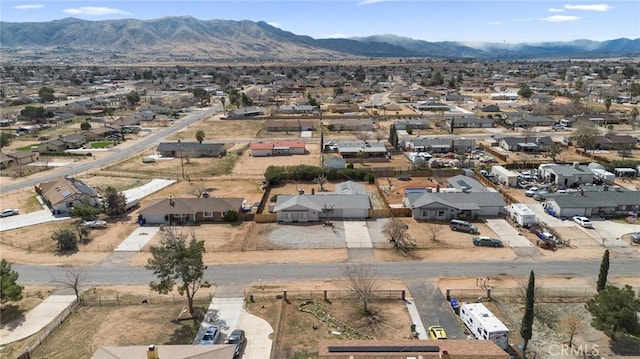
[
  {"x": 543, "y": 295},
  {"x": 100, "y": 300},
  {"x": 44, "y": 333},
  {"x": 322, "y": 294}
]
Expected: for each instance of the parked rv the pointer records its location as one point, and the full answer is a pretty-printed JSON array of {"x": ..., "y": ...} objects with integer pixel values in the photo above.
[{"x": 483, "y": 324}]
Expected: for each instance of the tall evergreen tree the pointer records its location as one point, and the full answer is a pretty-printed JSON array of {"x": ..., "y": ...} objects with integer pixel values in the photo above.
[
  {"x": 10, "y": 289},
  {"x": 604, "y": 272},
  {"x": 526, "y": 328}
]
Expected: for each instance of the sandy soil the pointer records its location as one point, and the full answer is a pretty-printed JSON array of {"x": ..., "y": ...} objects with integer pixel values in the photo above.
[
  {"x": 215, "y": 128},
  {"x": 247, "y": 165},
  {"x": 394, "y": 189}
]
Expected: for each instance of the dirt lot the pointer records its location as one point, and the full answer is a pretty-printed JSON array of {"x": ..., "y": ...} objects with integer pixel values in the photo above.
[
  {"x": 215, "y": 128},
  {"x": 247, "y": 165}
]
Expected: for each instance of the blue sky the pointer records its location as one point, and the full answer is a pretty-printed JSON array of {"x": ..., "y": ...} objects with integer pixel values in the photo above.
[{"x": 454, "y": 20}]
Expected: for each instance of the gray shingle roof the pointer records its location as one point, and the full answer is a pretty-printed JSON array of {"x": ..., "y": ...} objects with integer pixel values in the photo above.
[
  {"x": 460, "y": 200},
  {"x": 324, "y": 200},
  {"x": 193, "y": 205},
  {"x": 592, "y": 199}
]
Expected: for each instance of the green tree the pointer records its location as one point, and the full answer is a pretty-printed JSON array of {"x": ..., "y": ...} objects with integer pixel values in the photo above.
[
  {"x": 115, "y": 202},
  {"x": 201, "y": 96},
  {"x": 6, "y": 138},
  {"x": 133, "y": 98},
  {"x": 35, "y": 112},
  {"x": 10, "y": 290},
  {"x": 526, "y": 328},
  {"x": 393, "y": 136},
  {"x": 604, "y": 272},
  {"x": 231, "y": 216},
  {"x": 614, "y": 311},
  {"x": 177, "y": 263},
  {"x": 200, "y": 136},
  {"x": 46, "y": 94},
  {"x": 84, "y": 210},
  {"x": 525, "y": 92},
  {"x": 66, "y": 238},
  {"x": 85, "y": 126},
  {"x": 585, "y": 133},
  {"x": 634, "y": 118},
  {"x": 246, "y": 100},
  {"x": 554, "y": 150}
]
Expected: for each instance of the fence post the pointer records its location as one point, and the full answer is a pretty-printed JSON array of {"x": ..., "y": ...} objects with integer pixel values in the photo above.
[
  {"x": 448, "y": 294},
  {"x": 284, "y": 295},
  {"x": 404, "y": 295},
  {"x": 325, "y": 296}
]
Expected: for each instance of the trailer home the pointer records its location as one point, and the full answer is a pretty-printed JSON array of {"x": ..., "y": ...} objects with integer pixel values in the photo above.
[
  {"x": 484, "y": 325},
  {"x": 522, "y": 215}
]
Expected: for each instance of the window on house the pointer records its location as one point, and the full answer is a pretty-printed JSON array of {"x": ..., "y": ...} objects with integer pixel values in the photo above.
[
  {"x": 176, "y": 215},
  {"x": 440, "y": 213},
  {"x": 207, "y": 214},
  {"x": 424, "y": 213}
]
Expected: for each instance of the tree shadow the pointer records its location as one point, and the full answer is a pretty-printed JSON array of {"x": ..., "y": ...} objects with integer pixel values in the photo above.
[
  {"x": 65, "y": 253},
  {"x": 625, "y": 346},
  {"x": 12, "y": 316},
  {"x": 184, "y": 333}
]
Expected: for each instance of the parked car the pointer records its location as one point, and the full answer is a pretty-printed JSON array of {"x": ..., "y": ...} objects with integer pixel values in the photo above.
[
  {"x": 459, "y": 225},
  {"x": 94, "y": 224},
  {"x": 540, "y": 195},
  {"x": 635, "y": 237},
  {"x": 9, "y": 212},
  {"x": 211, "y": 336},
  {"x": 238, "y": 338},
  {"x": 486, "y": 242},
  {"x": 583, "y": 221},
  {"x": 436, "y": 332},
  {"x": 531, "y": 191}
]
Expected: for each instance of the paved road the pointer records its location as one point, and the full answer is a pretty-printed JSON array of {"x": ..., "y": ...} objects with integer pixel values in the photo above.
[
  {"x": 242, "y": 274},
  {"x": 119, "y": 153}
]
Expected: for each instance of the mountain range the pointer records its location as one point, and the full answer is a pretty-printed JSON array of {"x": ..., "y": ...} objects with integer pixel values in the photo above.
[{"x": 187, "y": 37}]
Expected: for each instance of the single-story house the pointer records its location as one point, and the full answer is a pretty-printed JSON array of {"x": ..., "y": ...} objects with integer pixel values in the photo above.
[
  {"x": 565, "y": 175},
  {"x": 512, "y": 96},
  {"x": 5, "y": 161},
  {"x": 297, "y": 109},
  {"x": 466, "y": 183},
  {"x": 431, "y": 106},
  {"x": 448, "y": 205},
  {"x": 245, "y": 112},
  {"x": 616, "y": 142},
  {"x": 23, "y": 158},
  {"x": 189, "y": 210},
  {"x": 277, "y": 148},
  {"x": 54, "y": 145},
  {"x": 528, "y": 121},
  {"x": 358, "y": 149},
  {"x": 525, "y": 144},
  {"x": 350, "y": 125},
  {"x": 191, "y": 149},
  {"x": 413, "y": 124},
  {"x": 289, "y": 125},
  {"x": 588, "y": 203},
  {"x": 343, "y": 108},
  {"x": 321, "y": 205},
  {"x": 470, "y": 122},
  {"x": 410, "y": 348},
  {"x": 75, "y": 140},
  {"x": 490, "y": 108},
  {"x": 440, "y": 145},
  {"x": 62, "y": 194},
  {"x": 220, "y": 351}
]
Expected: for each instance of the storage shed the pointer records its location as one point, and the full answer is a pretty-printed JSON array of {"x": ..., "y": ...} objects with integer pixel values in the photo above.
[{"x": 505, "y": 176}]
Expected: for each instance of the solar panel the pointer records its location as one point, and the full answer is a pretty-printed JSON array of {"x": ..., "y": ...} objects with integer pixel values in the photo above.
[{"x": 385, "y": 349}]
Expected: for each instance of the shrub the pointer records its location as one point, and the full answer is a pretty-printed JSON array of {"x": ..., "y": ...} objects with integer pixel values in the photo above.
[
  {"x": 273, "y": 198},
  {"x": 231, "y": 216},
  {"x": 67, "y": 239}
]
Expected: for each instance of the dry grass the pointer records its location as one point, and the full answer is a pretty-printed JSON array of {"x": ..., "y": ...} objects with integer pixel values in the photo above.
[{"x": 214, "y": 128}]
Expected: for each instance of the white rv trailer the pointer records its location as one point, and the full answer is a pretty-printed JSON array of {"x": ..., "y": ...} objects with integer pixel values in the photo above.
[
  {"x": 522, "y": 214},
  {"x": 483, "y": 324}
]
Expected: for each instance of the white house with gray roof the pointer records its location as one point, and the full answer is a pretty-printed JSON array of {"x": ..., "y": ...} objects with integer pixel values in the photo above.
[
  {"x": 565, "y": 175},
  {"x": 448, "y": 205},
  {"x": 613, "y": 201}
]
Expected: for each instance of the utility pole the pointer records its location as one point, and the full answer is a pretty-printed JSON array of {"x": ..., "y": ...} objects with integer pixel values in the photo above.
[{"x": 181, "y": 158}]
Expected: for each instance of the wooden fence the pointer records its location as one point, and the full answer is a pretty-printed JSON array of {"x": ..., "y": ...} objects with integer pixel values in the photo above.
[
  {"x": 389, "y": 212},
  {"x": 44, "y": 333}
]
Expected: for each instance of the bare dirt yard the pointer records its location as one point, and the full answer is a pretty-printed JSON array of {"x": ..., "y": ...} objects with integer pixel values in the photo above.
[
  {"x": 216, "y": 129},
  {"x": 395, "y": 189},
  {"x": 247, "y": 165}
]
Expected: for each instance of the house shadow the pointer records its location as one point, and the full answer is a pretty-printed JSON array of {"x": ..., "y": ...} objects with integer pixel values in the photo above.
[
  {"x": 625, "y": 346},
  {"x": 12, "y": 316}
]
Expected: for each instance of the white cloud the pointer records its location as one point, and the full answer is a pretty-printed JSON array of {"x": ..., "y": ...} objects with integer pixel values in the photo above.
[
  {"x": 560, "y": 18},
  {"x": 274, "y": 24},
  {"x": 28, "y": 6},
  {"x": 495, "y": 22},
  {"x": 554, "y": 9},
  {"x": 367, "y": 2},
  {"x": 590, "y": 7},
  {"x": 94, "y": 11}
]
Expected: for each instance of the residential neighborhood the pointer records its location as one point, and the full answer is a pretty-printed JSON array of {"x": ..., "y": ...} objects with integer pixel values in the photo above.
[{"x": 451, "y": 178}]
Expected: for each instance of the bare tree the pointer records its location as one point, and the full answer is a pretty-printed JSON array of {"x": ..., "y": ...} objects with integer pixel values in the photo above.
[
  {"x": 521, "y": 290},
  {"x": 571, "y": 324},
  {"x": 434, "y": 231},
  {"x": 379, "y": 135},
  {"x": 399, "y": 237},
  {"x": 73, "y": 279},
  {"x": 363, "y": 136},
  {"x": 321, "y": 180},
  {"x": 362, "y": 280},
  {"x": 198, "y": 189}
]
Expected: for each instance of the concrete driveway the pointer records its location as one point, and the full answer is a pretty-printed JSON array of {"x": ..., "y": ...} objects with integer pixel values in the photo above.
[
  {"x": 138, "y": 239},
  {"x": 229, "y": 314},
  {"x": 357, "y": 234},
  {"x": 509, "y": 235},
  {"x": 28, "y": 219}
]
